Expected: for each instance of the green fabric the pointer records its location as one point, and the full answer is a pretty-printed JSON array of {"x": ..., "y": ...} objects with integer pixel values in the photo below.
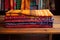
[
  {"x": 32, "y": 2},
  {"x": 18, "y": 2}
]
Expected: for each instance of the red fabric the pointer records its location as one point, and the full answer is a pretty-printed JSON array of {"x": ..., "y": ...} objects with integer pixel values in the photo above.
[
  {"x": 29, "y": 26},
  {"x": 7, "y": 4}
]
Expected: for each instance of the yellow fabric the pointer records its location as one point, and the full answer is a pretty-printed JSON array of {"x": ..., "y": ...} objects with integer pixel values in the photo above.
[
  {"x": 26, "y": 12},
  {"x": 12, "y": 14},
  {"x": 44, "y": 12}
]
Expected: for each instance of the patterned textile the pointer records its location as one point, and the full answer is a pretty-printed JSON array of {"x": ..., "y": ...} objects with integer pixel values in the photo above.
[{"x": 29, "y": 19}]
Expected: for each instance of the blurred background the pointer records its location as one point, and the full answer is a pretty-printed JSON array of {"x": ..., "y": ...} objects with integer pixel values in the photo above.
[{"x": 52, "y": 5}]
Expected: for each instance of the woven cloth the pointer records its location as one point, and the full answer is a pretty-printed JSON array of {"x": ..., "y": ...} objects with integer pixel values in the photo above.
[{"x": 44, "y": 12}]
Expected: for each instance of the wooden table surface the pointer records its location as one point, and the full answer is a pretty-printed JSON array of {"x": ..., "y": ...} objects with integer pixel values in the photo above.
[{"x": 54, "y": 30}]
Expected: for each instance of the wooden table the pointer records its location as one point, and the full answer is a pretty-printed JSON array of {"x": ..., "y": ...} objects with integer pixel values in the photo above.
[{"x": 29, "y": 30}]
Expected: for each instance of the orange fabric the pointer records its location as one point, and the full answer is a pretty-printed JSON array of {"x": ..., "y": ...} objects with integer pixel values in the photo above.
[
  {"x": 45, "y": 12},
  {"x": 25, "y": 5},
  {"x": 11, "y": 5}
]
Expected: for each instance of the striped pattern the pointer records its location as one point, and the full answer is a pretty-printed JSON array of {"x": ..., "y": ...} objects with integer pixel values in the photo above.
[
  {"x": 45, "y": 12},
  {"x": 29, "y": 19}
]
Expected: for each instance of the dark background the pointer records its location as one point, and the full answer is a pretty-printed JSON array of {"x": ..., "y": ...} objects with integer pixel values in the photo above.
[{"x": 57, "y": 6}]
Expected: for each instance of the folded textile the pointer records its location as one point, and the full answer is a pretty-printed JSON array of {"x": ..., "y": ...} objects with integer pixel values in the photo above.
[{"x": 29, "y": 19}]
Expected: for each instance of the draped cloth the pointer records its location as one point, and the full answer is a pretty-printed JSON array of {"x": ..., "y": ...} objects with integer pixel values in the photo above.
[
  {"x": 25, "y": 5},
  {"x": 11, "y": 4}
]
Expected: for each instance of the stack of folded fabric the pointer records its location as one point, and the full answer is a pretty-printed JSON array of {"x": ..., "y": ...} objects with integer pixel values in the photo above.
[{"x": 29, "y": 19}]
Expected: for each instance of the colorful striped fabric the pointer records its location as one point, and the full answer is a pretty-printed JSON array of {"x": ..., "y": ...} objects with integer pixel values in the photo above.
[
  {"x": 26, "y": 4},
  {"x": 29, "y": 19}
]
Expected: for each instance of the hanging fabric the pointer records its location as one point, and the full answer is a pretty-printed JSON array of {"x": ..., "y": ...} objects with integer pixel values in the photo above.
[
  {"x": 11, "y": 4},
  {"x": 2, "y": 5},
  {"x": 18, "y": 4},
  {"x": 7, "y": 5},
  {"x": 25, "y": 5}
]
